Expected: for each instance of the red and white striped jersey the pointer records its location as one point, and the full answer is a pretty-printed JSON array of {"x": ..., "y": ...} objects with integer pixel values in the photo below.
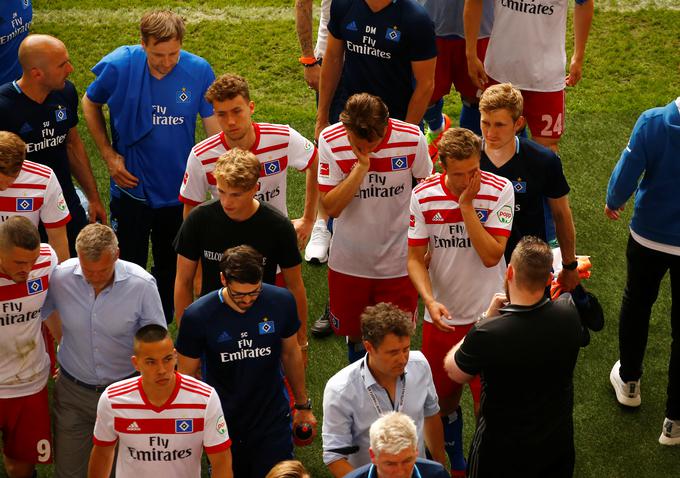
[
  {"x": 35, "y": 194},
  {"x": 277, "y": 147},
  {"x": 164, "y": 441},
  {"x": 459, "y": 279},
  {"x": 369, "y": 236},
  {"x": 24, "y": 363}
]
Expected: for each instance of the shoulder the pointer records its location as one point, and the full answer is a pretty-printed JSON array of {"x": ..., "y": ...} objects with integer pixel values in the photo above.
[
  {"x": 334, "y": 133},
  {"x": 430, "y": 469},
  {"x": 417, "y": 359},
  {"x": 209, "y": 300},
  {"x": 121, "y": 56},
  {"x": 428, "y": 186},
  {"x": 495, "y": 181},
  {"x": 344, "y": 380},
  {"x": 134, "y": 272},
  {"x": 415, "y": 12},
  {"x": 66, "y": 268},
  {"x": 274, "y": 129},
  {"x": 273, "y": 215},
  {"x": 195, "y": 387},
  {"x": 207, "y": 146},
  {"x": 532, "y": 151},
  {"x": 404, "y": 129},
  {"x": 361, "y": 472},
  {"x": 39, "y": 172},
  {"x": 122, "y": 388},
  {"x": 194, "y": 60}
]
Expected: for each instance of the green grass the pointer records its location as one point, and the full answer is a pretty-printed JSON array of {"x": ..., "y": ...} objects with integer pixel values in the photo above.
[{"x": 632, "y": 64}]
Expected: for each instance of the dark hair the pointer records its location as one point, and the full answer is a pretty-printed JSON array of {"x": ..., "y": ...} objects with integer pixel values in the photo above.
[
  {"x": 149, "y": 334},
  {"x": 227, "y": 87},
  {"x": 380, "y": 320},
  {"x": 365, "y": 116},
  {"x": 242, "y": 264},
  {"x": 18, "y": 231},
  {"x": 532, "y": 261}
]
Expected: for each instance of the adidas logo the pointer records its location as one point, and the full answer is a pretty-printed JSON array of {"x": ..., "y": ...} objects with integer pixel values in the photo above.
[
  {"x": 133, "y": 427},
  {"x": 438, "y": 218},
  {"x": 224, "y": 337}
]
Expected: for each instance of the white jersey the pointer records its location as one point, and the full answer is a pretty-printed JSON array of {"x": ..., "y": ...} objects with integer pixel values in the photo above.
[
  {"x": 527, "y": 44},
  {"x": 165, "y": 441},
  {"x": 459, "y": 279},
  {"x": 322, "y": 33},
  {"x": 277, "y": 147},
  {"x": 369, "y": 236},
  {"x": 36, "y": 195},
  {"x": 24, "y": 363}
]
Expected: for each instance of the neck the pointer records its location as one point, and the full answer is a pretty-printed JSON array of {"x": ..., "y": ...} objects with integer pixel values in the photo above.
[
  {"x": 244, "y": 143},
  {"x": 522, "y": 297},
  {"x": 247, "y": 214},
  {"x": 34, "y": 92},
  {"x": 159, "y": 395},
  {"x": 502, "y": 155},
  {"x": 377, "y": 5},
  {"x": 387, "y": 382}
]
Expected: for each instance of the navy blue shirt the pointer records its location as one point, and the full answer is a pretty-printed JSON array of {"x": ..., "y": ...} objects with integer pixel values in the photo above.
[
  {"x": 536, "y": 174},
  {"x": 44, "y": 128},
  {"x": 242, "y": 354},
  {"x": 380, "y": 46}
]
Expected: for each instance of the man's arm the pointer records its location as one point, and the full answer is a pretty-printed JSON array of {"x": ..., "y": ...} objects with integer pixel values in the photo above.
[
  {"x": 303, "y": 26},
  {"x": 452, "y": 368},
  {"x": 433, "y": 431},
  {"x": 303, "y": 226},
  {"x": 94, "y": 117},
  {"x": 184, "y": 279},
  {"x": 472, "y": 19},
  {"x": 291, "y": 358},
  {"x": 566, "y": 237},
  {"x": 187, "y": 209},
  {"x": 58, "y": 239},
  {"x": 221, "y": 464},
  {"x": 423, "y": 72},
  {"x": 583, "y": 18},
  {"x": 81, "y": 169},
  {"x": 417, "y": 272},
  {"x": 53, "y": 324},
  {"x": 101, "y": 461},
  {"x": 293, "y": 278},
  {"x": 331, "y": 69},
  {"x": 210, "y": 125},
  {"x": 337, "y": 199},
  {"x": 340, "y": 468},
  {"x": 187, "y": 365}
]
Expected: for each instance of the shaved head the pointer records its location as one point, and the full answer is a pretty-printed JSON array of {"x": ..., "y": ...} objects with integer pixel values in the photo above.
[
  {"x": 46, "y": 66},
  {"x": 36, "y": 50}
]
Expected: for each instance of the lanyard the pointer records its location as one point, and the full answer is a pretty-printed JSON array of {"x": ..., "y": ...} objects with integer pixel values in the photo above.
[{"x": 399, "y": 406}]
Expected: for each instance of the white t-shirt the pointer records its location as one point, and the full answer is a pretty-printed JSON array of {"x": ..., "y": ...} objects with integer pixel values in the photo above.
[
  {"x": 527, "y": 44},
  {"x": 369, "y": 237},
  {"x": 161, "y": 442},
  {"x": 24, "y": 363},
  {"x": 36, "y": 195},
  {"x": 459, "y": 279},
  {"x": 277, "y": 147},
  {"x": 322, "y": 34}
]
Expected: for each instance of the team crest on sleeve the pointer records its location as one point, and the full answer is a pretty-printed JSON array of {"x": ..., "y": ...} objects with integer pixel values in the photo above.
[
  {"x": 26, "y": 4},
  {"x": 60, "y": 114},
  {"x": 393, "y": 34},
  {"x": 266, "y": 327},
  {"x": 308, "y": 146},
  {"x": 221, "y": 425},
  {"x": 505, "y": 214},
  {"x": 399, "y": 163},
  {"x": 271, "y": 167},
  {"x": 324, "y": 169},
  {"x": 482, "y": 214},
  {"x": 184, "y": 425},
  {"x": 24, "y": 204},
  {"x": 35, "y": 286},
  {"x": 412, "y": 221},
  {"x": 186, "y": 178},
  {"x": 183, "y": 96},
  {"x": 61, "y": 203},
  {"x": 519, "y": 186}
]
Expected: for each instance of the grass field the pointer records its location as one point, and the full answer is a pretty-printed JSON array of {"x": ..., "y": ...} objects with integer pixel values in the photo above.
[{"x": 632, "y": 63}]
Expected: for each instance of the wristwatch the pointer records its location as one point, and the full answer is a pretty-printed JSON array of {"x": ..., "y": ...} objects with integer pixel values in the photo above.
[
  {"x": 305, "y": 406},
  {"x": 308, "y": 61},
  {"x": 570, "y": 266}
]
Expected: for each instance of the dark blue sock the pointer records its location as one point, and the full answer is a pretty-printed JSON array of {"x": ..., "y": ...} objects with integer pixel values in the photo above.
[
  {"x": 469, "y": 118},
  {"x": 355, "y": 351},
  {"x": 453, "y": 439},
  {"x": 433, "y": 115},
  {"x": 329, "y": 224}
]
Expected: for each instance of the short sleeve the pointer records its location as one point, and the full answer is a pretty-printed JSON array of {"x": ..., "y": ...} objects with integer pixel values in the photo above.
[
  {"x": 301, "y": 151},
  {"x": 292, "y": 324},
  {"x": 104, "y": 432},
  {"x": 288, "y": 254},
  {"x": 191, "y": 336},
  {"x": 421, "y": 32},
  {"x": 194, "y": 188},
  {"x": 101, "y": 89},
  {"x": 422, "y": 165},
  {"x": 431, "y": 406},
  {"x": 417, "y": 229},
  {"x": 499, "y": 222},
  {"x": 470, "y": 356},
  {"x": 205, "y": 109},
  {"x": 556, "y": 183},
  {"x": 215, "y": 431},
  {"x": 152, "y": 309},
  {"x": 338, "y": 8},
  {"x": 187, "y": 242},
  {"x": 329, "y": 174},
  {"x": 54, "y": 211}
]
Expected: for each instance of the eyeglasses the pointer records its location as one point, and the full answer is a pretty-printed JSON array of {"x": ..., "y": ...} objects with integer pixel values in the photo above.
[{"x": 241, "y": 295}]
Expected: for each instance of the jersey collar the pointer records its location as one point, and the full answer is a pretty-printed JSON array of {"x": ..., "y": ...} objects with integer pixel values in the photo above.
[{"x": 514, "y": 308}]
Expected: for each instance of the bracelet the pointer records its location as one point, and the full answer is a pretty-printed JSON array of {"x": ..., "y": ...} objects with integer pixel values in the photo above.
[
  {"x": 308, "y": 61},
  {"x": 571, "y": 266}
]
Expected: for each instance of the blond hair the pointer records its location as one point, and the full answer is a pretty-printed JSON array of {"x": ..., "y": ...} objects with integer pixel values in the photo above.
[
  {"x": 162, "y": 26},
  {"x": 503, "y": 96},
  {"x": 239, "y": 169},
  {"x": 393, "y": 433},
  {"x": 12, "y": 153},
  {"x": 95, "y": 239},
  {"x": 288, "y": 469}
]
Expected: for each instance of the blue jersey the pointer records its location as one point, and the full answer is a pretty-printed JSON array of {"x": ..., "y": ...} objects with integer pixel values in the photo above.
[
  {"x": 242, "y": 354},
  {"x": 166, "y": 113},
  {"x": 379, "y": 48},
  {"x": 447, "y": 16},
  {"x": 15, "y": 20}
]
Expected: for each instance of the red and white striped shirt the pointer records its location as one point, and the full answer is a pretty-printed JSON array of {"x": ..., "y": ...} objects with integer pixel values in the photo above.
[
  {"x": 459, "y": 279},
  {"x": 24, "y": 363},
  {"x": 35, "y": 194},
  {"x": 165, "y": 441},
  {"x": 369, "y": 237},
  {"x": 276, "y": 146}
]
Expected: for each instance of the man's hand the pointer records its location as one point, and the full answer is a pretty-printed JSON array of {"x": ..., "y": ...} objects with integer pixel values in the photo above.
[
  {"x": 613, "y": 214},
  {"x": 477, "y": 72},
  {"x": 305, "y": 416},
  {"x": 575, "y": 72},
  {"x": 568, "y": 279},
  {"x": 303, "y": 229},
  {"x": 498, "y": 301},
  {"x": 438, "y": 312},
  {"x": 312, "y": 74},
  {"x": 362, "y": 159},
  {"x": 120, "y": 175},
  {"x": 471, "y": 190},
  {"x": 96, "y": 212}
]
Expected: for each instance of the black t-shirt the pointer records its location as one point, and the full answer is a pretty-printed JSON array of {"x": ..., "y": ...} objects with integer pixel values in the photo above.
[
  {"x": 207, "y": 232},
  {"x": 526, "y": 359},
  {"x": 536, "y": 174},
  {"x": 44, "y": 128}
]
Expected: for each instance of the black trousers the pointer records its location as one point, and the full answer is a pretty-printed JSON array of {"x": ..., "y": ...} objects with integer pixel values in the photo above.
[
  {"x": 135, "y": 222},
  {"x": 646, "y": 269}
]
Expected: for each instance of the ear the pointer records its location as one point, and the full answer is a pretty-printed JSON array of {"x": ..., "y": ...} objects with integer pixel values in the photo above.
[
  {"x": 372, "y": 454},
  {"x": 251, "y": 105},
  {"x": 550, "y": 279},
  {"x": 368, "y": 346},
  {"x": 133, "y": 359},
  {"x": 510, "y": 272},
  {"x": 520, "y": 123},
  {"x": 223, "y": 280}
]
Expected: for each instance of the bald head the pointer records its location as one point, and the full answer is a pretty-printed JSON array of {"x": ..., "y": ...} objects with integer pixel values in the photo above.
[
  {"x": 46, "y": 65},
  {"x": 35, "y": 50}
]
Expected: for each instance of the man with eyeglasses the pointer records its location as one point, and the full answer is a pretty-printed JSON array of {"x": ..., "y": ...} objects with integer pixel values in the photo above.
[{"x": 243, "y": 333}]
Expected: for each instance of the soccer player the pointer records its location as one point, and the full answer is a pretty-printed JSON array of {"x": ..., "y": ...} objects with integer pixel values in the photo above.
[
  {"x": 160, "y": 422},
  {"x": 17, "y": 18},
  {"x": 525, "y": 348},
  {"x": 42, "y": 108},
  {"x": 25, "y": 267},
  {"x": 312, "y": 56},
  {"x": 243, "y": 333},
  {"x": 541, "y": 190},
  {"x": 278, "y": 148},
  {"x": 147, "y": 158},
  {"x": 462, "y": 218},
  {"x": 367, "y": 163},
  {"x": 527, "y": 49},
  {"x": 31, "y": 190}
]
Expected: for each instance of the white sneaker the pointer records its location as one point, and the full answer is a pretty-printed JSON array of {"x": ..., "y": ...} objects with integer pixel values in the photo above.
[
  {"x": 627, "y": 393},
  {"x": 317, "y": 247},
  {"x": 670, "y": 433}
]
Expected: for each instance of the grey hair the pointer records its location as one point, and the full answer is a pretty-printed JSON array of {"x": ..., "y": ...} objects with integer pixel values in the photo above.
[
  {"x": 393, "y": 433},
  {"x": 94, "y": 240}
]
